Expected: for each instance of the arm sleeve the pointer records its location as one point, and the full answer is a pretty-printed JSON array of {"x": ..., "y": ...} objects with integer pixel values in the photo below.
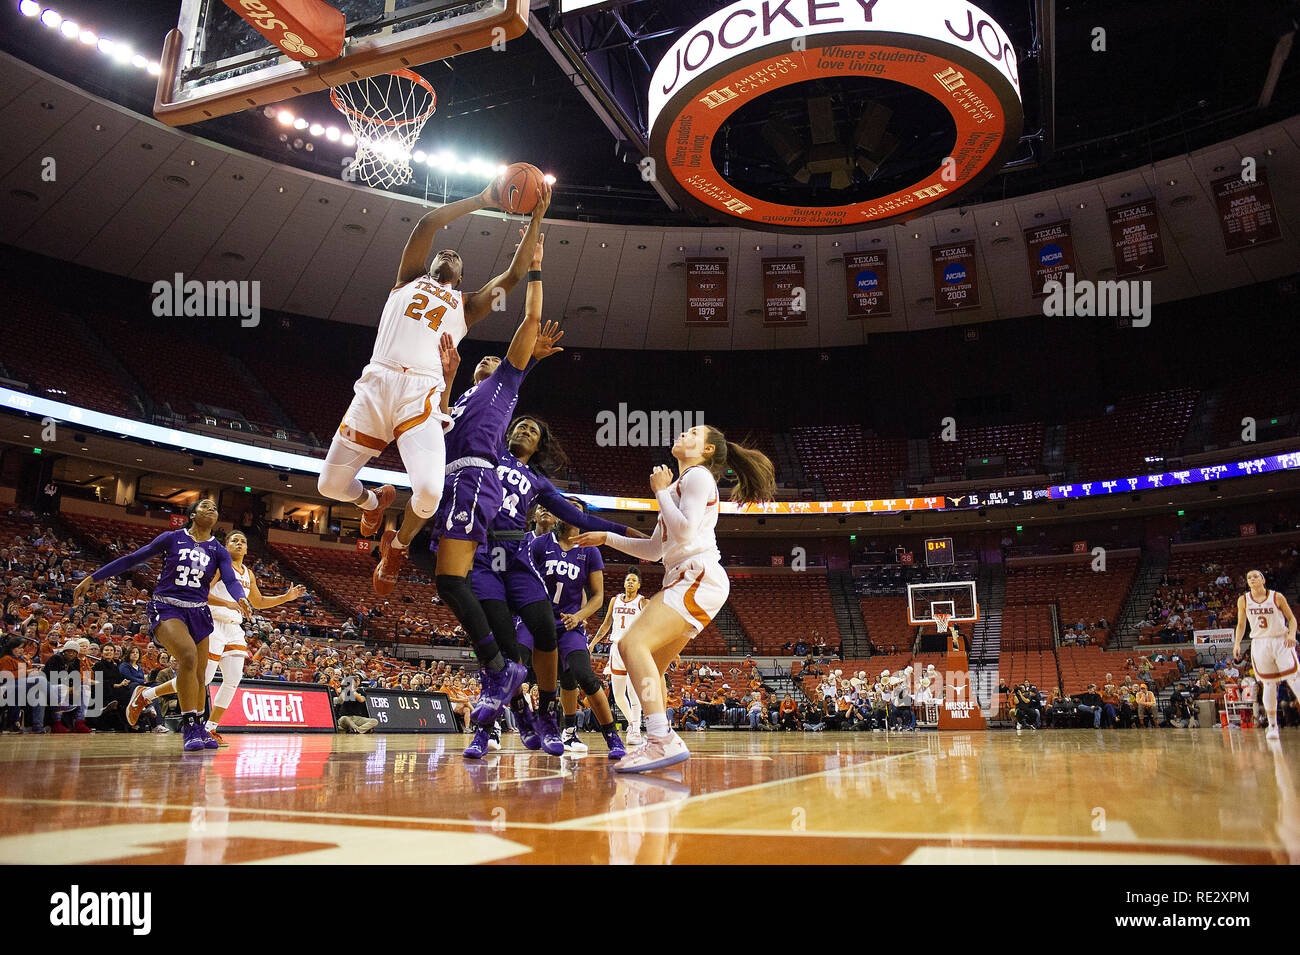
[
  {"x": 651, "y": 548},
  {"x": 558, "y": 505},
  {"x": 233, "y": 586},
  {"x": 697, "y": 489},
  {"x": 120, "y": 566}
]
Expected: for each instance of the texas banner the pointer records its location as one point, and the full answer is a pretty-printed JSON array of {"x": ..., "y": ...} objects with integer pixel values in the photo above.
[
  {"x": 706, "y": 291},
  {"x": 1051, "y": 255},
  {"x": 1135, "y": 237},
  {"x": 866, "y": 280},
  {"x": 956, "y": 286},
  {"x": 1246, "y": 212},
  {"x": 785, "y": 296}
]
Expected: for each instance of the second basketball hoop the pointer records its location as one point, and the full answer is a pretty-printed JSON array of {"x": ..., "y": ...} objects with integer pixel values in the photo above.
[{"x": 386, "y": 114}]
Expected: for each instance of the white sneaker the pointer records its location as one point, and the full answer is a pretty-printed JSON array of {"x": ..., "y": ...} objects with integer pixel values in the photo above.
[
  {"x": 571, "y": 742},
  {"x": 1274, "y": 732},
  {"x": 494, "y": 741},
  {"x": 654, "y": 754},
  {"x": 634, "y": 737}
]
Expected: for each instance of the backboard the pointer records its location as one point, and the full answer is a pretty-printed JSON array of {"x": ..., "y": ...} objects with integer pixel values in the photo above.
[
  {"x": 215, "y": 63},
  {"x": 955, "y": 598}
]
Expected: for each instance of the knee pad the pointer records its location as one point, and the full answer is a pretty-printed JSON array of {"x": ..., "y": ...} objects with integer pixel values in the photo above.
[
  {"x": 425, "y": 499},
  {"x": 456, "y": 594},
  {"x": 502, "y": 622},
  {"x": 336, "y": 482},
  {"x": 539, "y": 618},
  {"x": 578, "y": 670},
  {"x": 568, "y": 681}
]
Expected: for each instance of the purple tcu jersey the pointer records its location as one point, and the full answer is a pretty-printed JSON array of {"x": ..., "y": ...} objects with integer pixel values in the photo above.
[
  {"x": 188, "y": 567},
  {"x": 480, "y": 416},
  {"x": 565, "y": 572},
  {"x": 522, "y": 487}
]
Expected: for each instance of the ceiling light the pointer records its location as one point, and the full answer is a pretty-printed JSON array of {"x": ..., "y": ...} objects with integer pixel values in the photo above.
[
  {"x": 418, "y": 155},
  {"x": 51, "y": 18},
  {"x": 285, "y": 117},
  {"x": 300, "y": 123},
  {"x": 550, "y": 180},
  {"x": 69, "y": 29},
  {"x": 349, "y": 139},
  {"x": 106, "y": 46},
  {"x": 139, "y": 62},
  {"x": 29, "y": 8},
  {"x": 88, "y": 38},
  {"x": 122, "y": 52},
  {"x": 316, "y": 129},
  {"x": 332, "y": 134}
]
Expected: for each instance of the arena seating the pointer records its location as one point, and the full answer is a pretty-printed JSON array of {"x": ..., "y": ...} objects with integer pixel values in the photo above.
[
  {"x": 1260, "y": 397},
  {"x": 1079, "y": 592},
  {"x": 778, "y": 609},
  {"x": 1117, "y": 444},
  {"x": 848, "y": 463},
  {"x": 1020, "y": 444},
  {"x": 887, "y": 626},
  {"x": 72, "y": 372}
]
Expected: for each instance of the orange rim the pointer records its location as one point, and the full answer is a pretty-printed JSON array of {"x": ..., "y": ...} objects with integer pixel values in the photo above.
[{"x": 411, "y": 75}]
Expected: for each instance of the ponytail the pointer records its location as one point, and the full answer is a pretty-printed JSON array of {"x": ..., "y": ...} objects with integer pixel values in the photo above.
[{"x": 755, "y": 475}]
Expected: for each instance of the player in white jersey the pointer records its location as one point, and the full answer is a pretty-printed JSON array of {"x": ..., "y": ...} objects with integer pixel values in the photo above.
[
  {"x": 623, "y": 609},
  {"x": 695, "y": 585},
  {"x": 1272, "y": 642},
  {"x": 402, "y": 393},
  {"x": 226, "y": 647}
]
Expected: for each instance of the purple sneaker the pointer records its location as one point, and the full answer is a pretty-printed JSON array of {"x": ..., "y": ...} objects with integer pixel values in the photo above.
[
  {"x": 497, "y": 688},
  {"x": 525, "y": 721},
  {"x": 191, "y": 741},
  {"x": 550, "y": 733},
  {"x": 208, "y": 741},
  {"x": 616, "y": 750},
  {"x": 478, "y": 746}
]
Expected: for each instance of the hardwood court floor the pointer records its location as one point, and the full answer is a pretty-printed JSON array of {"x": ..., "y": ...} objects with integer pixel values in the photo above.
[{"x": 1077, "y": 796}]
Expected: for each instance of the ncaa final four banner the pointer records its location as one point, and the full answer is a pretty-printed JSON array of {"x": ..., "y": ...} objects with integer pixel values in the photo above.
[
  {"x": 1051, "y": 255},
  {"x": 706, "y": 291},
  {"x": 785, "y": 297},
  {"x": 1246, "y": 213},
  {"x": 956, "y": 287},
  {"x": 1135, "y": 237},
  {"x": 866, "y": 277}
]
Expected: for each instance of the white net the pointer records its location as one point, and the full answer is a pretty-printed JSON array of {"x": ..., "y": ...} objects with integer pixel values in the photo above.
[{"x": 386, "y": 113}]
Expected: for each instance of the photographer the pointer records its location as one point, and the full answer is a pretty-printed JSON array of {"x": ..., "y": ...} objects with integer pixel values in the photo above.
[
  {"x": 1025, "y": 700},
  {"x": 350, "y": 708}
]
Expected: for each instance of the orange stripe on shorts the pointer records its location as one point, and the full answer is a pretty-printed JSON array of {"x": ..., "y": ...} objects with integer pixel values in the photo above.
[
  {"x": 419, "y": 419},
  {"x": 693, "y": 608},
  {"x": 361, "y": 438}
]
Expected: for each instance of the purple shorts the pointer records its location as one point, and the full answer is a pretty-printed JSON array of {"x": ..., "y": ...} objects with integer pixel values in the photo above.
[
  {"x": 471, "y": 498},
  {"x": 570, "y": 640},
  {"x": 523, "y": 634},
  {"x": 197, "y": 620},
  {"x": 518, "y": 584}
]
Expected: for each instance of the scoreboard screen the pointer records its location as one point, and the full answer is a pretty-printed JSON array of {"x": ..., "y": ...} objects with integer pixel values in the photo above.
[
  {"x": 938, "y": 551},
  {"x": 410, "y": 711}
]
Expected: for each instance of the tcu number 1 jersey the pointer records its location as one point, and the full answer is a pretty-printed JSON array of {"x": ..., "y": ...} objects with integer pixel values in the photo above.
[{"x": 413, "y": 321}]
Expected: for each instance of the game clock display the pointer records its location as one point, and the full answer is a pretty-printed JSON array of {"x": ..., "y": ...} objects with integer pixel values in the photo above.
[
  {"x": 410, "y": 711},
  {"x": 938, "y": 551}
]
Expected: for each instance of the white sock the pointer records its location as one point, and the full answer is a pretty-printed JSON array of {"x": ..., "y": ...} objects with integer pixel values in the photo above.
[
  {"x": 398, "y": 545},
  {"x": 656, "y": 725},
  {"x": 371, "y": 502},
  {"x": 209, "y": 726},
  {"x": 150, "y": 694}
]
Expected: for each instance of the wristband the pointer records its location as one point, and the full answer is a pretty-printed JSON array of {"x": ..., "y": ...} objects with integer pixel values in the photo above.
[{"x": 534, "y": 275}]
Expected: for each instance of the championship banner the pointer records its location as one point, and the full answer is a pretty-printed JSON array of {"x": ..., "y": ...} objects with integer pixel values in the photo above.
[
  {"x": 955, "y": 284},
  {"x": 785, "y": 297},
  {"x": 268, "y": 706},
  {"x": 1051, "y": 255},
  {"x": 866, "y": 279},
  {"x": 1135, "y": 239},
  {"x": 706, "y": 291},
  {"x": 1246, "y": 213},
  {"x": 1214, "y": 639}
]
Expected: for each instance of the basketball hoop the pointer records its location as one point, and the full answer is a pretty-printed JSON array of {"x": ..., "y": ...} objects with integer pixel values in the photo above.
[
  {"x": 386, "y": 113},
  {"x": 941, "y": 621}
]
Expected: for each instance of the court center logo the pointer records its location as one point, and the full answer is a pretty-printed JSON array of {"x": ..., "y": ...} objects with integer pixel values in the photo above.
[
  {"x": 950, "y": 56},
  {"x": 178, "y": 298}
]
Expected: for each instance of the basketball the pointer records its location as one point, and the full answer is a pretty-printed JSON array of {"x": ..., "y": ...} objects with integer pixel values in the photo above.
[{"x": 519, "y": 187}]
